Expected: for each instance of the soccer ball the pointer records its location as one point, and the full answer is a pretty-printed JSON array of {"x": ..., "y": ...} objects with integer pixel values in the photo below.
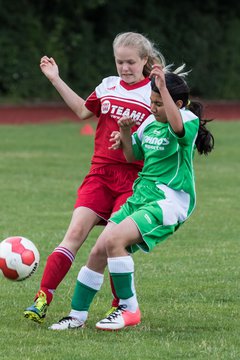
[{"x": 19, "y": 258}]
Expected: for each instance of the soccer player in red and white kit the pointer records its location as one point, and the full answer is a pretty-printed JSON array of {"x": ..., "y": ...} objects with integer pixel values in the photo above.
[{"x": 109, "y": 181}]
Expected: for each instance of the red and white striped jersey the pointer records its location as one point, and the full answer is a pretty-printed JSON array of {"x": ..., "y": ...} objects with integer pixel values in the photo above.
[{"x": 112, "y": 99}]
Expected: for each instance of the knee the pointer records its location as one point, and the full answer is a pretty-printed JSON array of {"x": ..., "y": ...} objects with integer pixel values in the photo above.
[
  {"x": 97, "y": 252},
  {"x": 111, "y": 242}
]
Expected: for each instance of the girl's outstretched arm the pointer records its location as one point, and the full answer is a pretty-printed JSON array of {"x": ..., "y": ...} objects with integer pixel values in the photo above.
[{"x": 50, "y": 69}]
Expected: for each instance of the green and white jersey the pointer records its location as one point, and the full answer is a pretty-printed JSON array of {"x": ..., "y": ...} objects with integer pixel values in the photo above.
[{"x": 168, "y": 159}]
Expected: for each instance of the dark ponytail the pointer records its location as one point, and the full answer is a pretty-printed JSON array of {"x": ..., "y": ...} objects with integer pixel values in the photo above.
[
  {"x": 179, "y": 90},
  {"x": 205, "y": 139}
]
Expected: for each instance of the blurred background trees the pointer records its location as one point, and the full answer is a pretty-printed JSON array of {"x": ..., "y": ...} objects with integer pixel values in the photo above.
[{"x": 79, "y": 35}]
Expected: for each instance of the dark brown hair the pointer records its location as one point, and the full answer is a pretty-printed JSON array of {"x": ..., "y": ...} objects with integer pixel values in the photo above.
[{"x": 179, "y": 90}]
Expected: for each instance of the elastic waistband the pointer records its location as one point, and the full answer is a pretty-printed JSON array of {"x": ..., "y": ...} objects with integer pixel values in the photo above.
[{"x": 123, "y": 167}]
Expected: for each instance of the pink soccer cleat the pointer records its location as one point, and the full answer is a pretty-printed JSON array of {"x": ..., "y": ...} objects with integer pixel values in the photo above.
[{"x": 119, "y": 319}]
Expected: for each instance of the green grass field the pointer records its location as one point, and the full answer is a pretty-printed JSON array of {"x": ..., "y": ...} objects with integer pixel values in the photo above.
[{"x": 188, "y": 288}]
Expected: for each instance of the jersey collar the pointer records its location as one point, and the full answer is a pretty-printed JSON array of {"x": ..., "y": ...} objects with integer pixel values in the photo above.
[{"x": 134, "y": 86}]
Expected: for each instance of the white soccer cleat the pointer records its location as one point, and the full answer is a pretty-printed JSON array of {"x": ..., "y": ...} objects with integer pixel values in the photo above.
[
  {"x": 119, "y": 319},
  {"x": 67, "y": 323}
]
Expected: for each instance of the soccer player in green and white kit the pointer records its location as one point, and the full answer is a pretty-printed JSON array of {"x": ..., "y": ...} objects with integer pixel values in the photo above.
[{"x": 163, "y": 198}]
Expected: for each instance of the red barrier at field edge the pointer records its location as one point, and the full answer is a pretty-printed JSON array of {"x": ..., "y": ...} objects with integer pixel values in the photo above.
[{"x": 20, "y": 114}]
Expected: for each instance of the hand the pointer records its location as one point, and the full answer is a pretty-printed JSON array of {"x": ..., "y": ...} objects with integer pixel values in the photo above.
[
  {"x": 49, "y": 67},
  {"x": 126, "y": 123},
  {"x": 115, "y": 139},
  {"x": 158, "y": 73}
]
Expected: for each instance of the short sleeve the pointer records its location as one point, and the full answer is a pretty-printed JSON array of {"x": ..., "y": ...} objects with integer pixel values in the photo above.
[
  {"x": 93, "y": 104},
  {"x": 191, "y": 126},
  {"x": 137, "y": 147}
]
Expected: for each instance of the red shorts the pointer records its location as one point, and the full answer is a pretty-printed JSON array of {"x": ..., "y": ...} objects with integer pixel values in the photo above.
[{"x": 106, "y": 188}]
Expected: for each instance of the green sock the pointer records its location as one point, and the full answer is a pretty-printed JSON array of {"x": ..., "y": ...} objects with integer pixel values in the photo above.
[
  {"x": 121, "y": 270},
  {"x": 82, "y": 297},
  {"x": 122, "y": 285}
]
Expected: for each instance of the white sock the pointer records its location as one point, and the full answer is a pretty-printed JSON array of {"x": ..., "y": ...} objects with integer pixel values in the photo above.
[
  {"x": 132, "y": 303},
  {"x": 79, "y": 315}
]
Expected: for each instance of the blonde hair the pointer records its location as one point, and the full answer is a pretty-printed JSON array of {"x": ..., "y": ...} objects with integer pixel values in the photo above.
[
  {"x": 178, "y": 71},
  {"x": 145, "y": 47}
]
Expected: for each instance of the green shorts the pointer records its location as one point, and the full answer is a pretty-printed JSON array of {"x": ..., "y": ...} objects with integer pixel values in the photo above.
[{"x": 158, "y": 211}]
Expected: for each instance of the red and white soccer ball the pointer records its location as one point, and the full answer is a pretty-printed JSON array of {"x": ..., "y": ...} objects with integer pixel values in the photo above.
[{"x": 19, "y": 258}]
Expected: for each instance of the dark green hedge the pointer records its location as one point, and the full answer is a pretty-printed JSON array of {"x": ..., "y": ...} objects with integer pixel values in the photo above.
[{"x": 79, "y": 35}]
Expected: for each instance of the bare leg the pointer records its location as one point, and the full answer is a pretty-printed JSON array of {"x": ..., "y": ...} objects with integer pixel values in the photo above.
[
  {"x": 83, "y": 220},
  {"x": 97, "y": 260},
  {"x": 60, "y": 261}
]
